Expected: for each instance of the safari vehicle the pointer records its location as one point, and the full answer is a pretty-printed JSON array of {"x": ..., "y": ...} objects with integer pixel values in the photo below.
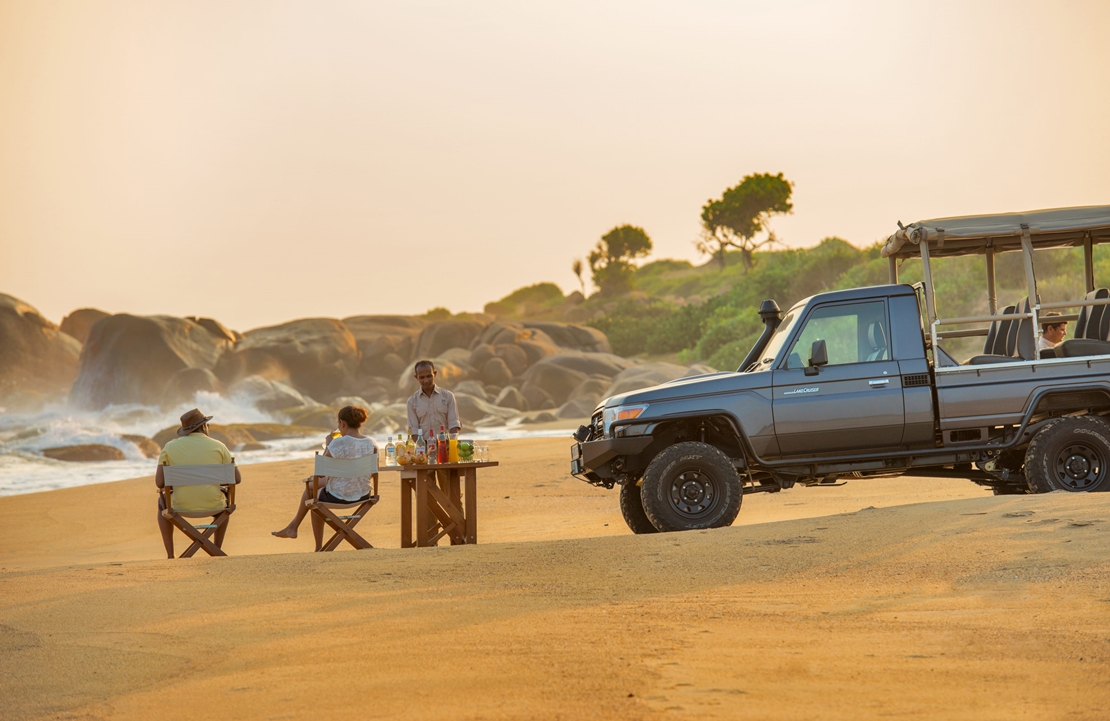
[{"x": 856, "y": 383}]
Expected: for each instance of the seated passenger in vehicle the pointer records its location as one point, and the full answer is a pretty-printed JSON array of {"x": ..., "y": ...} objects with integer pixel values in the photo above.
[{"x": 1053, "y": 332}]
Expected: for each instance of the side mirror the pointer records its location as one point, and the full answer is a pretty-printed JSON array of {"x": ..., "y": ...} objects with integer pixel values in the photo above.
[{"x": 818, "y": 356}]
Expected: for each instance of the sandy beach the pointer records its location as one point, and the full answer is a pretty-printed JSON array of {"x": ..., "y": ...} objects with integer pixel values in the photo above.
[{"x": 888, "y": 597}]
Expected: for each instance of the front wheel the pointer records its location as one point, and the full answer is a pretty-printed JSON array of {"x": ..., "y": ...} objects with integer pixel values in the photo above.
[
  {"x": 632, "y": 508},
  {"x": 1071, "y": 454},
  {"x": 689, "y": 486}
]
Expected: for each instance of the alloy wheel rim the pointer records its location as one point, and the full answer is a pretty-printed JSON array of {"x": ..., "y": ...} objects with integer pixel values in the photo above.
[
  {"x": 1079, "y": 467},
  {"x": 694, "y": 493}
]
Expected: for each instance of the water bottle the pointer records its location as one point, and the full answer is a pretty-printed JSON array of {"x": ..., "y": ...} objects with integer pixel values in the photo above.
[{"x": 390, "y": 453}]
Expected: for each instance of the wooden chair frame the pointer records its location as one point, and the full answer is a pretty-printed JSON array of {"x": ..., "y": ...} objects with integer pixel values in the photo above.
[
  {"x": 222, "y": 475},
  {"x": 343, "y": 526}
]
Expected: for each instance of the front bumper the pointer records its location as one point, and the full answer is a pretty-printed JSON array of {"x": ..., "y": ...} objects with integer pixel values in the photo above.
[{"x": 592, "y": 461}]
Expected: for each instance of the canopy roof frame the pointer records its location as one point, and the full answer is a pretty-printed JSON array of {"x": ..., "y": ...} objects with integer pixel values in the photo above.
[{"x": 989, "y": 234}]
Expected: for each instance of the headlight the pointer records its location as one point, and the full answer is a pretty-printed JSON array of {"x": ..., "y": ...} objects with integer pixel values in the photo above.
[{"x": 622, "y": 413}]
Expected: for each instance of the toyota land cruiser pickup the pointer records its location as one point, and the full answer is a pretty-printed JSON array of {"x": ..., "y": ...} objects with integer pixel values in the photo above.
[{"x": 855, "y": 383}]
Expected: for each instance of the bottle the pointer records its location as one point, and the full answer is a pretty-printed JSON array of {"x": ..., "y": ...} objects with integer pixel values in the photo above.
[
  {"x": 421, "y": 445},
  {"x": 433, "y": 449},
  {"x": 443, "y": 449},
  {"x": 391, "y": 452},
  {"x": 453, "y": 447},
  {"x": 410, "y": 443}
]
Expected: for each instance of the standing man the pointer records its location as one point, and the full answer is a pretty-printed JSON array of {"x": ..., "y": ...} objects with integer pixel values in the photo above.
[
  {"x": 431, "y": 406},
  {"x": 1052, "y": 332},
  {"x": 192, "y": 447}
]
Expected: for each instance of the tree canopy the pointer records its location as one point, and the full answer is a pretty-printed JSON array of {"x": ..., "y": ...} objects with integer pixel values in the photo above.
[
  {"x": 611, "y": 259},
  {"x": 742, "y": 213}
]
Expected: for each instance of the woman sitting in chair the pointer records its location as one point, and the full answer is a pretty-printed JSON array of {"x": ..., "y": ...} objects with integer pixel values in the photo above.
[{"x": 349, "y": 444}]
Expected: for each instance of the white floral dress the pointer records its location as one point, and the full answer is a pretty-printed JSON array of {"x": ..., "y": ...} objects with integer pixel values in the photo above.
[{"x": 349, "y": 447}]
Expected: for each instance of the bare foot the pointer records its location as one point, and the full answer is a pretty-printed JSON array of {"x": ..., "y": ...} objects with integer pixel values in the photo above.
[{"x": 285, "y": 533}]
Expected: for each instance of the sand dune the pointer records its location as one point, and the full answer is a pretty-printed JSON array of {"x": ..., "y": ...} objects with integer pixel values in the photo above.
[{"x": 820, "y": 603}]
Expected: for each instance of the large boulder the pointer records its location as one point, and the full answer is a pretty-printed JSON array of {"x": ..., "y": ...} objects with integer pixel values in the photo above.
[
  {"x": 183, "y": 386},
  {"x": 592, "y": 364},
  {"x": 130, "y": 359},
  {"x": 38, "y": 362},
  {"x": 269, "y": 395},
  {"x": 84, "y": 453},
  {"x": 644, "y": 376},
  {"x": 576, "y": 337},
  {"x": 473, "y": 409},
  {"x": 385, "y": 342},
  {"x": 236, "y": 437},
  {"x": 146, "y": 446},
  {"x": 474, "y": 388},
  {"x": 585, "y": 397},
  {"x": 496, "y": 373},
  {"x": 217, "y": 329},
  {"x": 515, "y": 357},
  {"x": 511, "y": 397},
  {"x": 555, "y": 380},
  {"x": 317, "y": 356},
  {"x": 444, "y": 334},
  {"x": 80, "y": 322}
]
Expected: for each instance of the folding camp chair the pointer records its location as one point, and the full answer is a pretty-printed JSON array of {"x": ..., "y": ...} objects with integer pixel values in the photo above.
[
  {"x": 221, "y": 474},
  {"x": 344, "y": 526}
]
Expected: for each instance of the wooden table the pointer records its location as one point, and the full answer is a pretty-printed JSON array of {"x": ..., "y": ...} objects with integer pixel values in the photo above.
[{"x": 441, "y": 510}]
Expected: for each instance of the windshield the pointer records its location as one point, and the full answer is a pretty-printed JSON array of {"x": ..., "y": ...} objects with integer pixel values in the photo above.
[{"x": 775, "y": 344}]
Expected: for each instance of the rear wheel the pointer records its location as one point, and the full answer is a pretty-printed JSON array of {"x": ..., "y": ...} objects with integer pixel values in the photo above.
[
  {"x": 1071, "y": 454},
  {"x": 690, "y": 486},
  {"x": 632, "y": 508}
]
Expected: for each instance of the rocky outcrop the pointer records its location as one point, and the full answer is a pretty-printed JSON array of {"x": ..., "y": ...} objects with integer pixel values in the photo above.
[
  {"x": 317, "y": 356},
  {"x": 217, "y": 329},
  {"x": 575, "y": 337},
  {"x": 385, "y": 342},
  {"x": 552, "y": 380},
  {"x": 80, "y": 322},
  {"x": 472, "y": 410},
  {"x": 445, "y": 334},
  {"x": 183, "y": 386},
  {"x": 146, "y": 446},
  {"x": 89, "y": 452},
  {"x": 585, "y": 397},
  {"x": 511, "y": 397},
  {"x": 644, "y": 376},
  {"x": 38, "y": 362},
  {"x": 130, "y": 359},
  {"x": 269, "y": 395}
]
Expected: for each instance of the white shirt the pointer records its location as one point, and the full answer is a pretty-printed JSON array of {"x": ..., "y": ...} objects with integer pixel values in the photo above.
[
  {"x": 1044, "y": 344},
  {"x": 349, "y": 447}
]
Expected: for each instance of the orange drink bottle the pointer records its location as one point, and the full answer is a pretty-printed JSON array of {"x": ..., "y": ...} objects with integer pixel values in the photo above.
[{"x": 453, "y": 448}]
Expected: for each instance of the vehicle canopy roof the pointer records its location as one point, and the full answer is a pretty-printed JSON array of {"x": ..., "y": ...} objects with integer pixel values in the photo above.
[{"x": 974, "y": 234}]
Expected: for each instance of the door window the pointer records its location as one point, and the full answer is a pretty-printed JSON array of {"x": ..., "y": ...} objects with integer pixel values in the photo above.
[{"x": 853, "y": 333}]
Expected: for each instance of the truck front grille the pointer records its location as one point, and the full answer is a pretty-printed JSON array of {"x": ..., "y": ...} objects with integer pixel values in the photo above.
[{"x": 597, "y": 425}]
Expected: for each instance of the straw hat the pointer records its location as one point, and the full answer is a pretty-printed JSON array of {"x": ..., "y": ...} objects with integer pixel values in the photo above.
[{"x": 192, "y": 421}]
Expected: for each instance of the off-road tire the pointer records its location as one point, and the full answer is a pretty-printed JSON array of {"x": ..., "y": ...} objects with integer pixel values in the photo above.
[
  {"x": 1070, "y": 454},
  {"x": 690, "y": 486},
  {"x": 632, "y": 508}
]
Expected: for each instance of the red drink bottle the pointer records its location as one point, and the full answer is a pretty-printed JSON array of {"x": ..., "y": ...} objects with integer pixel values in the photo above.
[{"x": 441, "y": 456}]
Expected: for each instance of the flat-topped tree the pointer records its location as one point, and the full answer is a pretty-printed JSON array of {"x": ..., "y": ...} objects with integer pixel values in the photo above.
[
  {"x": 611, "y": 260},
  {"x": 742, "y": 213}
]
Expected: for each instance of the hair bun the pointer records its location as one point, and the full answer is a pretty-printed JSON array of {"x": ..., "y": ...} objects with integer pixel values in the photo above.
[{"x": 354, "y": 416}]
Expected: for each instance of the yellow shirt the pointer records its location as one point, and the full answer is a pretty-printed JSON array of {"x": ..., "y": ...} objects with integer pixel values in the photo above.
[{"x": 192, "y": 450}]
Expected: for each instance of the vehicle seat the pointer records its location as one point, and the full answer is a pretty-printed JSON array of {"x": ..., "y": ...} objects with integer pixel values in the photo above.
[
  {"x": 996, "y": 349},
  {"x": 1014, "y": 338},
  {"x": 1091, "y": 330},
  {"x": 1091, "y": 317},
  {"x": 876, "y": 338}
]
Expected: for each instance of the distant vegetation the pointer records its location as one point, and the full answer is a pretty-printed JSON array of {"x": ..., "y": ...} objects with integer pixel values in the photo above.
[{"x": 707, "y": 313}]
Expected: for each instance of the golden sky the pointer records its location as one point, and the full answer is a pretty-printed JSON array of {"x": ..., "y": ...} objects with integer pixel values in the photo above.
[{"x": 262, "y": 161}]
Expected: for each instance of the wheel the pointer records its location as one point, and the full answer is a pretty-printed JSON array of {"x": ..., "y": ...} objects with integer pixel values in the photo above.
[
  {"x": 1071, "y": 454},
  {"x": 689, "y": 486},
  {"x": 632, "y": 508}
]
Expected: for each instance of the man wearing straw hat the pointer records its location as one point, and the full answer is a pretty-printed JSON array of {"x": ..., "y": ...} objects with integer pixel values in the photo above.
[{"x": 192, "y": 447}]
